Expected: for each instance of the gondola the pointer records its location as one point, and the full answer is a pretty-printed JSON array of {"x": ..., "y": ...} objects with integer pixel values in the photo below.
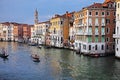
[
  {"x": 35, "y": 57},
  {"x": 39, "y": 46},
  {"x": 4, "y": 56}
]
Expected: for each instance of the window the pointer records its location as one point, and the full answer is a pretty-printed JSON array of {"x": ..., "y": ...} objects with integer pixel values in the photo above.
[
  {"x": 107, "y": 47},
  {"x": 114, "y": 31},
  {"x": 90, "y": 13},
  {"x": 111, "y": 5},
  {"x": 107, "y": 20},
  {"x": 118, "y": 5},
  {"x": 61, "y": 22},
  {"x": 103, "y": 13},
  {"x": 90, "y": 30},
  {"x": 61, "y": 39},
  {"x": 102, "y": 47},
  {"x": 96, "y": 38},
  {"x": 107, "y": 30},
  {"x": 90, "y": 21},
  {"x": 96, "y": 30},
  {"x": 76, "y": 44},
  {"x": 117, "y": 49},
  {"x": 103, "y": 30},
  {"x": 84, "y": 47},
  {"x": 96, "y": 21},
  {"x": 95, "y": 47},
  {"x": 54, "y": 30},
  {"x": 114, "y": 21},
  {"x": 103, "y": 21},
  {"x": 107, "y": 39},
  {"x": 114, "y": 13},
  {"x": 103, "y": 39},
  {"x": 108, "y": 13},
  {"x": 89, "y": 39},
  {"x": 117, "y": 16},
  {"x": 117, "y": 30},
  {"x": 96, "y": 13},
  {"x": 89, "y": 47},
  {"x": 117, "y": 41},
  {"x": 113, "y": 47}
]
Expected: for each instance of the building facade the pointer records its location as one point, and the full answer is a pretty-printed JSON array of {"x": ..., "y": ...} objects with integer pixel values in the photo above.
[
  {"x": 6, "y": 31},
  {"x": 117, "y": 30},
  {"x": 26, "y": 32},
  {"x": 56, "y": 30},
  {"x": 109, "y": 5},
  {"x": 40, "y": 32},
  {"x": 91, "y": 24}
]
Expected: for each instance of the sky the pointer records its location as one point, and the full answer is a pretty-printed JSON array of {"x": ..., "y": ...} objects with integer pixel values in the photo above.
[{"x": 22, "y": 11}]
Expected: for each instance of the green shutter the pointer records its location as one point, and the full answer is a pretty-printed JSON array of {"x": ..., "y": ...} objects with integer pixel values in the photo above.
[
  {"x": 103, "y": 39},
  {"x": 96, "y": 39},
  {"x": 89, "y": 39}
]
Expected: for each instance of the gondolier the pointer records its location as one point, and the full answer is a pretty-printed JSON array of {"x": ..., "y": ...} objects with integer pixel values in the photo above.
[{"x": 3, "y": 53}]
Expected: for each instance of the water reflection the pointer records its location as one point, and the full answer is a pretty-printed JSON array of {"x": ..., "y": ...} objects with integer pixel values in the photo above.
[{"x": 55, "y": 64}]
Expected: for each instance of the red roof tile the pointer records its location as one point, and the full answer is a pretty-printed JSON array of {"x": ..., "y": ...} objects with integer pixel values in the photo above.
[{"x": 95, "y": 5}]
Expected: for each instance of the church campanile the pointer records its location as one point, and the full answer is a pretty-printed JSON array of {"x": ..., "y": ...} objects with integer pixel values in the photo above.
[{"x": 36, "y": 17}]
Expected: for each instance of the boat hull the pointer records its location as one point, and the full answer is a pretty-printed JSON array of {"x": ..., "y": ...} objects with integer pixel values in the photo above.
[{"x": 3, "y": 56}]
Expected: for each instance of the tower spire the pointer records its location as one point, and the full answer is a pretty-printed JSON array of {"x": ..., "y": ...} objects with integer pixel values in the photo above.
[{"x": 36, "y": 17}]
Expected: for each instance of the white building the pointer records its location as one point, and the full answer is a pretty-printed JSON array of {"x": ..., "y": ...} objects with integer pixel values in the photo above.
[
  {"x": 40, "y": 31},
  {"x": 32, "y": 33},
  {"x": 117, "y": 34},
  {"x": 7, "y": 31},
  {"x": 1, "y": 31}
]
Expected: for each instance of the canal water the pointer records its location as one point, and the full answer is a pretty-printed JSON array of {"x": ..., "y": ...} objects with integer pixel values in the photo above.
[{"x": 55, "y": 64}]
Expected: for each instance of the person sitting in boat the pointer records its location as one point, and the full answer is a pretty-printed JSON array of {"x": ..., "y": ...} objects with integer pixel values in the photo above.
[{"x": 3, "y": 51}]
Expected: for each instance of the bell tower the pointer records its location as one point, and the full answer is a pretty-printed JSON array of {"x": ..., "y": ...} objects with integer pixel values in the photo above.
[{"x": 36, "y": 17}]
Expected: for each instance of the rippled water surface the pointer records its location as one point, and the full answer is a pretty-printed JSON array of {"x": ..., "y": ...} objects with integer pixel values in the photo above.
[{"x": 55, "y": 64}]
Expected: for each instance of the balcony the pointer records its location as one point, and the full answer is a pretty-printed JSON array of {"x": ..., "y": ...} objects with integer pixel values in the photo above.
[
  {"x": 79, "y": 33},
  {"x": 103, "y": 24},
  {"x": 96, "y": 24},
  {"x": 38, "y": 33},
  {"x": 103, "y": 33},
  {"x": 96, "y": 33},
  {"x": 89, "y": 33},
  {"x": 90, "y": 24},
  {"x": 79, "y": 25},
  {"x": 116, "y": 35}
]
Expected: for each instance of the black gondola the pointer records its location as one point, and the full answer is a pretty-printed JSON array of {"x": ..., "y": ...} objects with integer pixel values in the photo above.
[
  {"x": 35, "y": 57},
  {"x": 4, "y": 56}
]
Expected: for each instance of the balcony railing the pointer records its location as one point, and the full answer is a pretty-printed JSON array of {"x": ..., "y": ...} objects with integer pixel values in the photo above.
[
  {"x": 103, "y": 24},
  {"x": 116, "y": 35},
  {"x": 79, "y": 33},
  {"x": 103, "y": 33},
  {"x": 96, "y": 33},
  {"x": 39, "y": 32},
  {"x": 79, "y": 25},
  {"x": 96, "y": 24}
]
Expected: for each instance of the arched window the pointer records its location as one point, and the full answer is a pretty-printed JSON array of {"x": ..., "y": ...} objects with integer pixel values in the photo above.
[
  {"x": 95, "y": 47},
  {"x": 102, "y": 47}
]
